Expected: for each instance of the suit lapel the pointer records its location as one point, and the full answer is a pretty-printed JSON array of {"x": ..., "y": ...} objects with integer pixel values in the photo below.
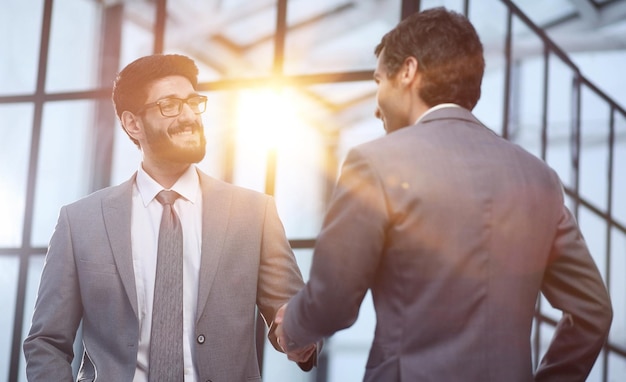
[
  {"x": 116, "y": 210},
  {"x": 215, "y": 217}
]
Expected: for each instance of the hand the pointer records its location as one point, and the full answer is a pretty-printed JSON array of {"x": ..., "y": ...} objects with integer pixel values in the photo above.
[
  {"x": 297, "y": 355},
  {"x": 303, "y": 354}
]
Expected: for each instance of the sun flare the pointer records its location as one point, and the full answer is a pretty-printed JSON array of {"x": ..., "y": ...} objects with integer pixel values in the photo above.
[{"x": 268, "y": 119}]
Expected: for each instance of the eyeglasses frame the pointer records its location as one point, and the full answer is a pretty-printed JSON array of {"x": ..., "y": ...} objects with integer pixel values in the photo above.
[{"x": 180, "y": 108}]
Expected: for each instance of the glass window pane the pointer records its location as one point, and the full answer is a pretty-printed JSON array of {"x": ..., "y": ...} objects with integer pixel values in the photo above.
[
  {"x": 596, "y": 371},
  {"x": 14, "y": 155},
  {"x": 560, "y": 112},
  {"x": 348, "y": 349},
  {"x": 301, "y": 129},
  {"x": 276, "y": 367},
  {"x": 9, "y": 271},
  {"x": 489, "y": 109},
  {"x": 126, "y": 156},
  {"x": 348, "y": 109},
  {"x": 545, "y": 12},
  {"x": 547, "y": 310},
  {"x": 491, "y": 30},
  {"x": 20, "y": 32},
  {"x": 546, "y": 332},
  {"x": 336, "y": 35},
  {"x": 232, "y": 38},
  {"x": 64, "y": 162},
  {"x": 594, "y": 149},
  {"x": 456, "y": 5},
  {"x": 617, "y": 367},
  {"x": 527, "y": 100},
  {"x": 35, "y": 266},
  {"x": 78, "y": 71},
  {"x": 617, "y": 288},
  {"x": 278, "y": 125},
  {"x": 137, "y": 28},
  {"x": 619, "y": 169}
]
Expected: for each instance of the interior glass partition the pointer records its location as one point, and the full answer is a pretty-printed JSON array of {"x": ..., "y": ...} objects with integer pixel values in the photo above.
[{"x": 290, "y": 92}]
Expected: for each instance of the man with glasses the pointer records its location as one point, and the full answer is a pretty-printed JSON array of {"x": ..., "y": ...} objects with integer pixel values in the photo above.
[{"x": 194, "y": 318}]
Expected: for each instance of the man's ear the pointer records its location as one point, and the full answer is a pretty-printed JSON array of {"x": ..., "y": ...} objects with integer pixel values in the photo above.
[
  {"x": 132, "y": 124},
  {"x": 409, "y": 70}
]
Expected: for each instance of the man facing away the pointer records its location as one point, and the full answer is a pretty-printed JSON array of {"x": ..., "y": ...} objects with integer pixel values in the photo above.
[
  {"x": 455, "y": 231},
  {"x": 101, "y": 266}
]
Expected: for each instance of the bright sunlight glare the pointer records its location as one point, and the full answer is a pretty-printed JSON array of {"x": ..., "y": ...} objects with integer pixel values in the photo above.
[
  {"x": 267, "y": 119},
  {"x": 274, "y": 134}
]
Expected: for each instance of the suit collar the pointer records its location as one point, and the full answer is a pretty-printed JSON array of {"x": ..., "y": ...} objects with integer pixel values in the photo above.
[
  {"x": 448, "y": 113},
  {"x": 435, "y": 108}
]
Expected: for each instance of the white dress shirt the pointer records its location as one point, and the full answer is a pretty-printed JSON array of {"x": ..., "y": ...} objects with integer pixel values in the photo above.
[
  {"x": 436, "y": 107},
  {"x": 145, "y": 221}
]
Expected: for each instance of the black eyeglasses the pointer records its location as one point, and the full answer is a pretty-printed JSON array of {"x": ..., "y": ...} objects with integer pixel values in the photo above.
[{"x": 172, "y": 107}]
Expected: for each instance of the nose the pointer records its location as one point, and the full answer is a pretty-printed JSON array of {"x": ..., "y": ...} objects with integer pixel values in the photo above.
[{"x": 186, "y": 113}]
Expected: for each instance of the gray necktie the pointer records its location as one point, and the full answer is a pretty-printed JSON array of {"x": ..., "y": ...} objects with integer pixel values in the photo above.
[{"x": 166, "y": 338}]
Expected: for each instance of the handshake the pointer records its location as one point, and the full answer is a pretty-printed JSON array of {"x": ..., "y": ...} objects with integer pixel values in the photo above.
[{"x": 305, "y": 355}]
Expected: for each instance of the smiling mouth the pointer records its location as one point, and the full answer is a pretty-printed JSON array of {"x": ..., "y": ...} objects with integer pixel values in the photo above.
[{"x": 187, "y": 130}]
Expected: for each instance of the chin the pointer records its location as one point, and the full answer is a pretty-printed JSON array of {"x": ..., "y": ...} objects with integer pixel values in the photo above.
[
  {"x": 185, "y": 155},
  {"x": 194, "y": 156}
]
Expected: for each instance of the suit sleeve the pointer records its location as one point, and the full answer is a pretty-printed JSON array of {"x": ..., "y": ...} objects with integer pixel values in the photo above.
[
  {"x": 573, "y": 285},
  {"x": 279, "y": 275},
  {"x": 48, "y": 348},
  {"x": 346, "y": 257}
]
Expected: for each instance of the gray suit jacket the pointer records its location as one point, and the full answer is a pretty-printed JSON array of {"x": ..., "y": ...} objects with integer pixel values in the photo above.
[
  {"x": 88, "y": 275},
  {"x": 455, "y": 231}
]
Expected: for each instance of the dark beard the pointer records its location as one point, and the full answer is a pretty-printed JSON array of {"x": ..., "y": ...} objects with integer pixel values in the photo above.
[
  {"x": 162, "y": 143},
  {"x": 186, "y": 154}
]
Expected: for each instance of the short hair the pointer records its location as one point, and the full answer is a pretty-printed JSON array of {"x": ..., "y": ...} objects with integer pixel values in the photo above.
[
  {"x": 448, "y": 51},
  {"x": 130, "y": 88}
]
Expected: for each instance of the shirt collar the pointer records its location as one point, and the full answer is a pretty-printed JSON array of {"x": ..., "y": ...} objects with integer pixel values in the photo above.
[
  {"x": 188, "y": 185},
  {"x": 436, "y": 107}
]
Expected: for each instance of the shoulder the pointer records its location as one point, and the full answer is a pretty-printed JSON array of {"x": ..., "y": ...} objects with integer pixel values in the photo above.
[
  {"x": 214, "y": 186},
  {"x": 123, "y": 190}
]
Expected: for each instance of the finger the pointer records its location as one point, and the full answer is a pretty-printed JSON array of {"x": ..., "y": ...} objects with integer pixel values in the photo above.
[
  {"x": 301, "y": 355},
  {"x": 280, "y": 314}
]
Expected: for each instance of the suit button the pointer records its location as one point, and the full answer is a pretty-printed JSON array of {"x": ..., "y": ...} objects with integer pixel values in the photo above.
[{"x": 201, "y": 339}]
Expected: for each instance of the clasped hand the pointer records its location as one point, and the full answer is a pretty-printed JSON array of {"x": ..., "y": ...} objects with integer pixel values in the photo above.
[{"x": 297, "y": 355}]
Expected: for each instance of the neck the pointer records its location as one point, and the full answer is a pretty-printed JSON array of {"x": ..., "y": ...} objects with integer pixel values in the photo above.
[{"x": 165, "y": 174}]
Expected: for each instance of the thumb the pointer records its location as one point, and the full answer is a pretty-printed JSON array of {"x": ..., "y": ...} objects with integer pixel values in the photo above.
[{"x": 280, "y": 314}]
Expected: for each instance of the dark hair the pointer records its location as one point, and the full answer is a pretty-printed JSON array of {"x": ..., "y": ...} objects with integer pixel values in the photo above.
[
  {"x": 448, "y": 51},
  {"x": 130, "y": 88}
]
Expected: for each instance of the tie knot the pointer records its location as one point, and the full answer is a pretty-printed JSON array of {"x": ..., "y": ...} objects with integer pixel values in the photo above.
[{"x": 167, "y": 197}]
